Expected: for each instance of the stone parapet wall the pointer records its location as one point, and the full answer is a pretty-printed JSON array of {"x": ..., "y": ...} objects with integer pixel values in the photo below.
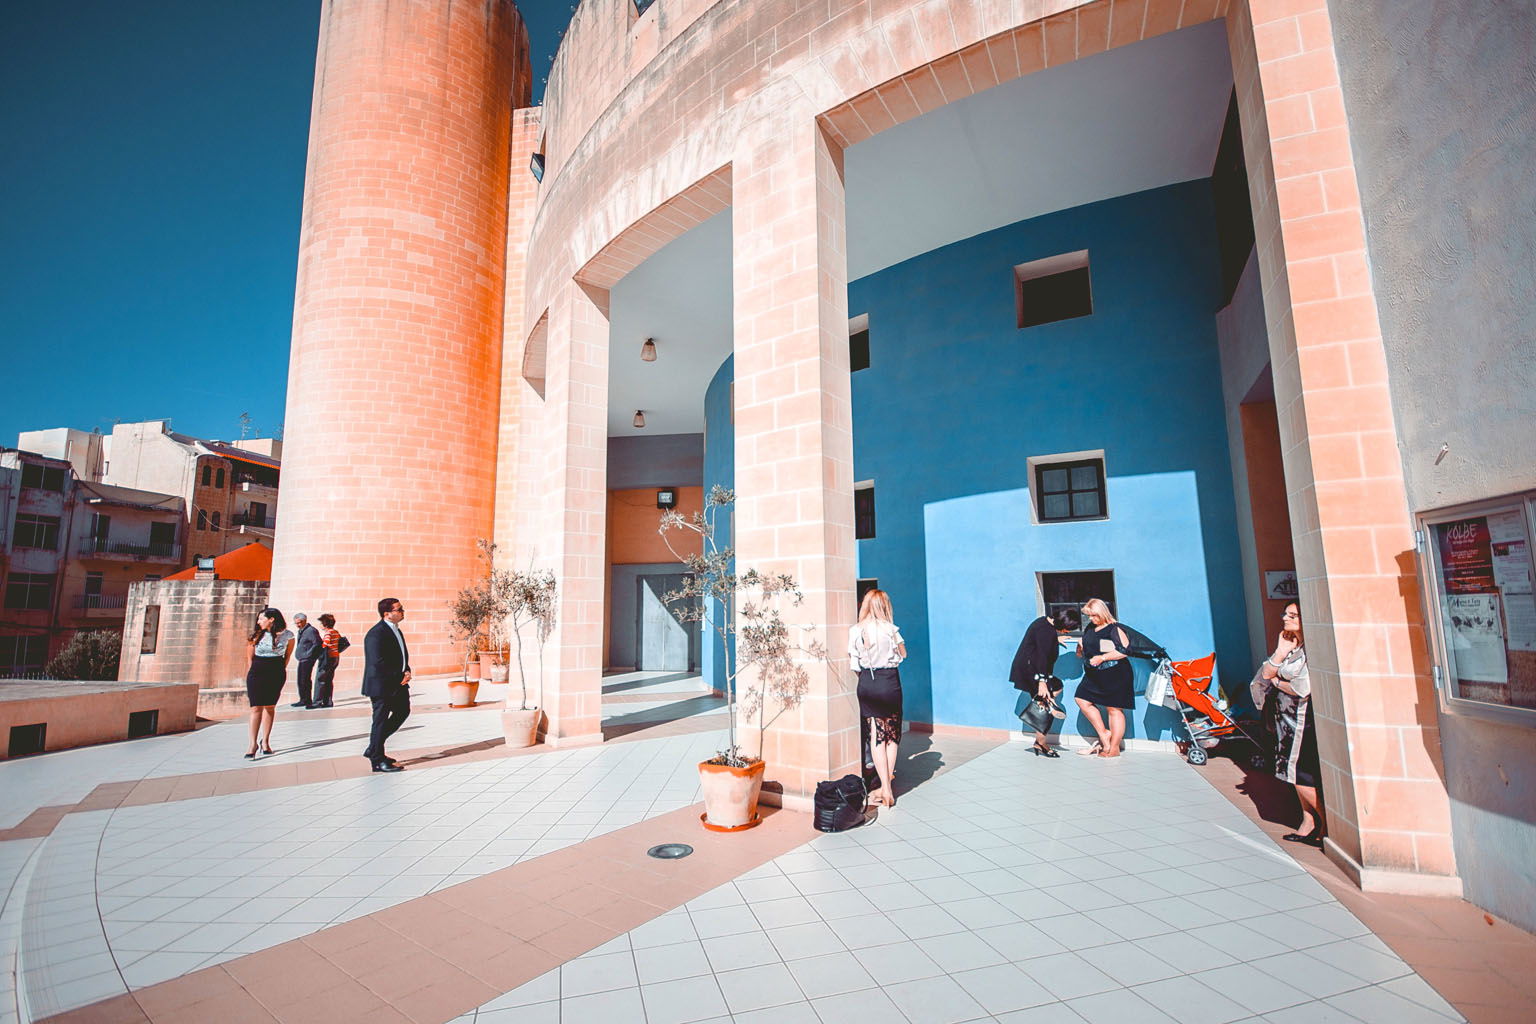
[{"x": 201, "y": 635}]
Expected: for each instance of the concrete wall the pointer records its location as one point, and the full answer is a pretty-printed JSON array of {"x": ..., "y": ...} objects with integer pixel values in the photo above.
[
  {"x": 622, "y": 609},
  {"x": 957, "y": 398},
  {"x": 78, "y": 714},
  {"x": 202, "y": 634},
  {"x": 1441, "y": 101},
  {"x": 665, "y": 460}
]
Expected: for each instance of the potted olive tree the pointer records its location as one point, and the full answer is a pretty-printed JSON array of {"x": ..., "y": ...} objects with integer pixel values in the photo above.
[
  {"x": 746, "y": 612},
  {"x": 528, "y": 602},
  {"x": 473, "y": 615}
]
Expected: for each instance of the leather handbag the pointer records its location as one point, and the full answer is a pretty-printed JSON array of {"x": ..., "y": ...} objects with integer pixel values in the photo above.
[
  {"x": 839, "y": 805},
  {"x": 1038, "y": 714}
]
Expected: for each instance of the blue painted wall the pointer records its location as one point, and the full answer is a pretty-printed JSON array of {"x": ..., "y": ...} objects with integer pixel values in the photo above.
[{"x": 957, "y": 398}]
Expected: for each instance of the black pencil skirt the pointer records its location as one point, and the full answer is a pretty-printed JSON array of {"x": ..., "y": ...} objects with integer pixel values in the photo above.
[{"x": 264, "y": 681}]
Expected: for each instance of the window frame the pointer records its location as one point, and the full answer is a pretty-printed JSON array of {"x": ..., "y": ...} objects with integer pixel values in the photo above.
[
  {"x": 1039, "y": 270},
  {"x": 1447, "y": 681},
  {"x": 35, "y": 523},
  {"x": 1045, "y": 605},
  {"x": 29, "y": 581},
  {"x": 858, "y": 327},
  {"x": 864, "y": 487},
  {"x": 1038, "y": 464}
]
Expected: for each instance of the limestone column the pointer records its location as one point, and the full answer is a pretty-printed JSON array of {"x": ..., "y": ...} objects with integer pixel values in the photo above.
[
  {"x": 1377, "y": 712},
  {"x": 794, "y": 437},
  {"x": 390, "y": 448},
  {"x": 566, "y": 506}
]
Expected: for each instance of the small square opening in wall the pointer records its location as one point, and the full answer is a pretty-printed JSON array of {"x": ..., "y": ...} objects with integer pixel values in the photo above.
[
  {"x": 143, "y": 723},
  {"x": 863, "y": 511},
  {"x": 1069, "y": 488},
  {"x": 1060, "y": 591},
  {"x": 27, "y": 739},
  {"x": 858, "y": 343},
  {"x": 863, "y": 587},
  {"x": 1052, "y": 289}
]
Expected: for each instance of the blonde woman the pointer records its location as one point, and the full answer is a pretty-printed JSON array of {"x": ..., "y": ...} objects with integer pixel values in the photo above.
[
  {"x": 1296, "y": 759},
  {"x": 875, "y": 648},
  {"x": 1108, "y": 678}
]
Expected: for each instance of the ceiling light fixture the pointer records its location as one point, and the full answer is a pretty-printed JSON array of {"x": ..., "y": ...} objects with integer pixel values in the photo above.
[
  {"x": 648, "y": 351},
  {"x": 639, "y": 418}
]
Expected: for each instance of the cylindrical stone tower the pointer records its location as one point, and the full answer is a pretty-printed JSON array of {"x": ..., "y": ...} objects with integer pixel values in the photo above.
[{"x": 390, "y": 448}]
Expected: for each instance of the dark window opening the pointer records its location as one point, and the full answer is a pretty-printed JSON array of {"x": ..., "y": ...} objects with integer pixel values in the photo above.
[
  {"x": 143, "y": 723},
  {"x": 27, "y": 739},
  {"x": 162, "y": 538},
  {"x": 202, "y": 519},
  {"x": 20, "y": 654},
  {"x": 864, "y": 587},
  {"x": 151, "y": 629},
  {"x": 1065, "y": 491},
  {"x": 37, "y": 532},
  {"x": 641, "y": 6},
  {"x": 213, "y": 524},
  {"x": 43, "y": 478},
  {"x": 29, "y": 591},
  {"x": 93, "y": 582},
  {"x": 1234, "y": 213},
  {"x": 1052, "y": 289},
  {"x": 1064, "y": 590},
  {"x": 218, "y": 480},
  {"x": 864, "y": 512},
  {"x": 858, "y": 343},
  {"x": 207, "y": 475}
]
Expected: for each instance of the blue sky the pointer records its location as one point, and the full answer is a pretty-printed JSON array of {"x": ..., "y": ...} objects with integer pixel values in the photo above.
[{"x": 152, "y": 160}]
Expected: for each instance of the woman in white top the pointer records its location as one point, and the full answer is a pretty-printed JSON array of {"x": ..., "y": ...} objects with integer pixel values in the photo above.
[
  {"x": 271, "y": 645},
  {"x": 1296, "y": 759},
  {"x": 875, "y": 648}
]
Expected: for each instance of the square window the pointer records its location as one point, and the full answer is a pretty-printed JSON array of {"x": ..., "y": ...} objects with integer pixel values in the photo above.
[
  {"x": 29, "y": 591},
  {"x": 143, "y": 723},
  {"x": 40, "y": 532},
  {"x": 1052, "y": 289},
  {"x": 1060, "y": 591},
  {"x": 1069, "y": 488},
  {"x": 27, "y": 739},
  {"x": 864, "y": 512},
  {"x": 858, "y": 343},
  {"x": 863, "y": 587}
]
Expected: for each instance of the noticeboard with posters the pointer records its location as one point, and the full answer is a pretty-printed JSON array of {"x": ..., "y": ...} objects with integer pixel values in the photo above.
[{"x": 1477, "y": 560}]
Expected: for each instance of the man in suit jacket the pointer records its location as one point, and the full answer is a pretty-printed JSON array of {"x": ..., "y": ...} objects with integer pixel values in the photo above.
[
  {"x": 308, "y": 650},
  {"x": 386, "y": 681}
]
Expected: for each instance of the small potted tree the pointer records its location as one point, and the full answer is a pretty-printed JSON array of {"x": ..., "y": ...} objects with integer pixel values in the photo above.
[
  {"x": 746, "y": 612},
  {"x": 529, "y": 601},
  {"x": 470, "y": 612}
]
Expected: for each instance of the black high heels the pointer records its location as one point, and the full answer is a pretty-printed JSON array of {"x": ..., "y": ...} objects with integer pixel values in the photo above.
[{"x": 1040, "y": 751}]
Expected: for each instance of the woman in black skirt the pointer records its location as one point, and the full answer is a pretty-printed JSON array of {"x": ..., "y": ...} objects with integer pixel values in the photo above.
[
  {"x": 271, "y": 648},
  {"x": 875, "y": 648},
  {"x": 1296, "y": 758},
  {"x": 1108, "y": 678}
]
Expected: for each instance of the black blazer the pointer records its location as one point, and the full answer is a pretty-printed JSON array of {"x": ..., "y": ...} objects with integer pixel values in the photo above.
[
  {"x": 308, "y": 646},
  {"x": 1036, "y": 655},
  {"x": 383, "y": 666}
]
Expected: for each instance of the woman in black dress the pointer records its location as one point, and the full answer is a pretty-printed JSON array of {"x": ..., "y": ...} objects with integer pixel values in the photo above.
[
  {"x": 271, "y": 649},
  {"x": 1108, "y": 678},
  {"x": 1296, "y": 759},
  {"x": 1034, "y": 668},
  {"x": 875, "y": 648}
]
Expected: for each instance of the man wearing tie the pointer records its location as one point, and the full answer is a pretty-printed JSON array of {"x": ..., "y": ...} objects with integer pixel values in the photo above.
[{"x": 386, "y": 680}]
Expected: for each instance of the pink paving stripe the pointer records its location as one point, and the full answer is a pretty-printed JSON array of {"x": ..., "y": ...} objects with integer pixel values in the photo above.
[{"x": 433, "y": 958}]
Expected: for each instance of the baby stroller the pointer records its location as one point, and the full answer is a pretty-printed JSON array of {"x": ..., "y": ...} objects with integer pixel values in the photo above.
[{"x": 1205, "y": 718}]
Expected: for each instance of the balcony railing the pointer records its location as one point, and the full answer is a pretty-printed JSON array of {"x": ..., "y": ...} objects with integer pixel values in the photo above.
[
  {"x": 94, "y": 547},
  {"x": 266, "y": 522},
  {"x": 95, "y": 601}
]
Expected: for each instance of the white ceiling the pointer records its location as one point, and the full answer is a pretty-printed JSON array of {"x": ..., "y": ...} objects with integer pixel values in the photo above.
[{"x": 1135, "y": 118}]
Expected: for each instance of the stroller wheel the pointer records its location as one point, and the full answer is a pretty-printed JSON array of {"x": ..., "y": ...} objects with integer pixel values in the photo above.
[{"x": 1197, "y": 755}]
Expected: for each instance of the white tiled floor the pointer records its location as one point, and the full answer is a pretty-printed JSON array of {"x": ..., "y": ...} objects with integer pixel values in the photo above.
[
  {"x": 169, "y": 888},
  {"x": 1014, "y": 890}
]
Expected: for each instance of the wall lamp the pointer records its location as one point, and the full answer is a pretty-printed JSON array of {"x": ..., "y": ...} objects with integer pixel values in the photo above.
[
  {"x": 648, "y": 351},
  {"x": 639, "y": 418}
]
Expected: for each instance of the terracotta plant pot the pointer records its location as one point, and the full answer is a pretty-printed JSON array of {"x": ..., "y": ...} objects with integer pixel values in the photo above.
[
  {"x": 487, "y": 665},
  {"x": 730, "y": 795},
  {"x": 461, "y": 693},
  {"x": 521, "y": 726},
  {"x": 499, "y": 673}
]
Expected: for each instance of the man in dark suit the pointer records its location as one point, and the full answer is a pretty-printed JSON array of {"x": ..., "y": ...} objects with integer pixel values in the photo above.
[
  {"x": 386, "y": 681},
  {"x": 308, "y": 650}
]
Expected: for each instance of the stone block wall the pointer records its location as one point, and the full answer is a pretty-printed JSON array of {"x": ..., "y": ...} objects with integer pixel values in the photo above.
[{"x": 201, "y": 632}]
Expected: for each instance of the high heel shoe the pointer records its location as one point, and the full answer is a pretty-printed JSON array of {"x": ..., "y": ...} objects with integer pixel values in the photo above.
[
  {"x": 1040, "y": 751},
  {"x": 250, "y": 755},
  {"x": 267, "y": 750}
]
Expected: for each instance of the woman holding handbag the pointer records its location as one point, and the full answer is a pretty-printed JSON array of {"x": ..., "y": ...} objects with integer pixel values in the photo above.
[
  {"x": 1296, "y": 759},
  {"x": 1033, "y": 673}
]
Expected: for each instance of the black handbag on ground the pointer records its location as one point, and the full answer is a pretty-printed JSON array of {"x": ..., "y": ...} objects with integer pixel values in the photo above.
[{"x": 840, "y": 804}]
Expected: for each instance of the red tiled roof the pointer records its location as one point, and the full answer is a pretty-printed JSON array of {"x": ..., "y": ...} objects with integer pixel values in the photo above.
[{"x": 252, "y": 562}]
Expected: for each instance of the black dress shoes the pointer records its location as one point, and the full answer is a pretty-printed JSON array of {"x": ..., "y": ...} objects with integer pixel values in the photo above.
[
  {"x": 387, "y": 766},
  {"x": 298, "y": 704}
]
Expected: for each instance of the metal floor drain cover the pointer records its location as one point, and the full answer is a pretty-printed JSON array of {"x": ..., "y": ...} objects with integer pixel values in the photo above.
[{"x": 670, "y": 851}]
